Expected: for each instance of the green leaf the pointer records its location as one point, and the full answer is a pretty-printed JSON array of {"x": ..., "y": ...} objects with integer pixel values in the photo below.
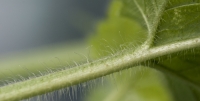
[
  {"x": 116, "y": 34},
  {"x": 165, "y": 21},
  {"x": 167, "y": 34},
  {"x": 135, "y": 84},
  {"x": 178, "y": 22},
  {"x": 172, "y": 21}
]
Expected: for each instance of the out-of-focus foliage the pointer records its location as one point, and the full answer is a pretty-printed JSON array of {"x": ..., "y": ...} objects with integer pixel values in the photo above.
[
  {"x": 163, "y": 25},
  {"x": 38, "y": 61},
  {"x": 115, "y": 34},
  {"x": 129, "y": 23}
]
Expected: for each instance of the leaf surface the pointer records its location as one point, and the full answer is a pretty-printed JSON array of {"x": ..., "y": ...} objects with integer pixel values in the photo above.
[
  {"x": 118, "y": 33},
  {"x": 172, "y": 21},
  {"x": 164, "y": 22},
  {"x": 157, "y": 30}
]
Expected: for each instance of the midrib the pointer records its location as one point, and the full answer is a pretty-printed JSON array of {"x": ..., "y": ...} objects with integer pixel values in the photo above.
[{"x": 152, "y": 32}]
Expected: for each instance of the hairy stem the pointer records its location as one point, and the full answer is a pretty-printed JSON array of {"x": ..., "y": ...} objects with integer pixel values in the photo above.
[{"x": 89, "y": 71}]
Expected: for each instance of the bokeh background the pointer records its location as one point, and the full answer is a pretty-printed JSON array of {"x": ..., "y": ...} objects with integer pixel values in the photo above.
[
  {"x": 27, "y": 24},
  {"x": 31, "y": 24}
]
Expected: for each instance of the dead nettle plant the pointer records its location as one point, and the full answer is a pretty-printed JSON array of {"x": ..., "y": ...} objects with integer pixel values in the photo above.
[{"x": 160, "y": 34}]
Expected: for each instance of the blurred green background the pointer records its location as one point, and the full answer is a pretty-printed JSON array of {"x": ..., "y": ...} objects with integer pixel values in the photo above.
[
  {"x": 48, "y": 35},
  {"x": 31, "y": 30}
]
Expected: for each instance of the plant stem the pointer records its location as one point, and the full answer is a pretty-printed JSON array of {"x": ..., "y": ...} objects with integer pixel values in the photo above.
[
  {"x": 152, "y": 26},
  {"x": 73, "y": 76}
]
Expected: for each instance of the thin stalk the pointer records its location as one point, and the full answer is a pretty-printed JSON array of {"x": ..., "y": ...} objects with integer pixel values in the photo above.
[{"x": 66, "y": 78}]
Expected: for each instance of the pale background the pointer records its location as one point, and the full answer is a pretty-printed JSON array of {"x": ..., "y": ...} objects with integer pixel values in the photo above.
[{"x": 29, "y": 24}]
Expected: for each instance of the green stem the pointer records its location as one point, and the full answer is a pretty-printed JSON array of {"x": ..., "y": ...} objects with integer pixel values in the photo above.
[
  {"x": 89, "y": 71},
  {"x": 152, "y": 26}
]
